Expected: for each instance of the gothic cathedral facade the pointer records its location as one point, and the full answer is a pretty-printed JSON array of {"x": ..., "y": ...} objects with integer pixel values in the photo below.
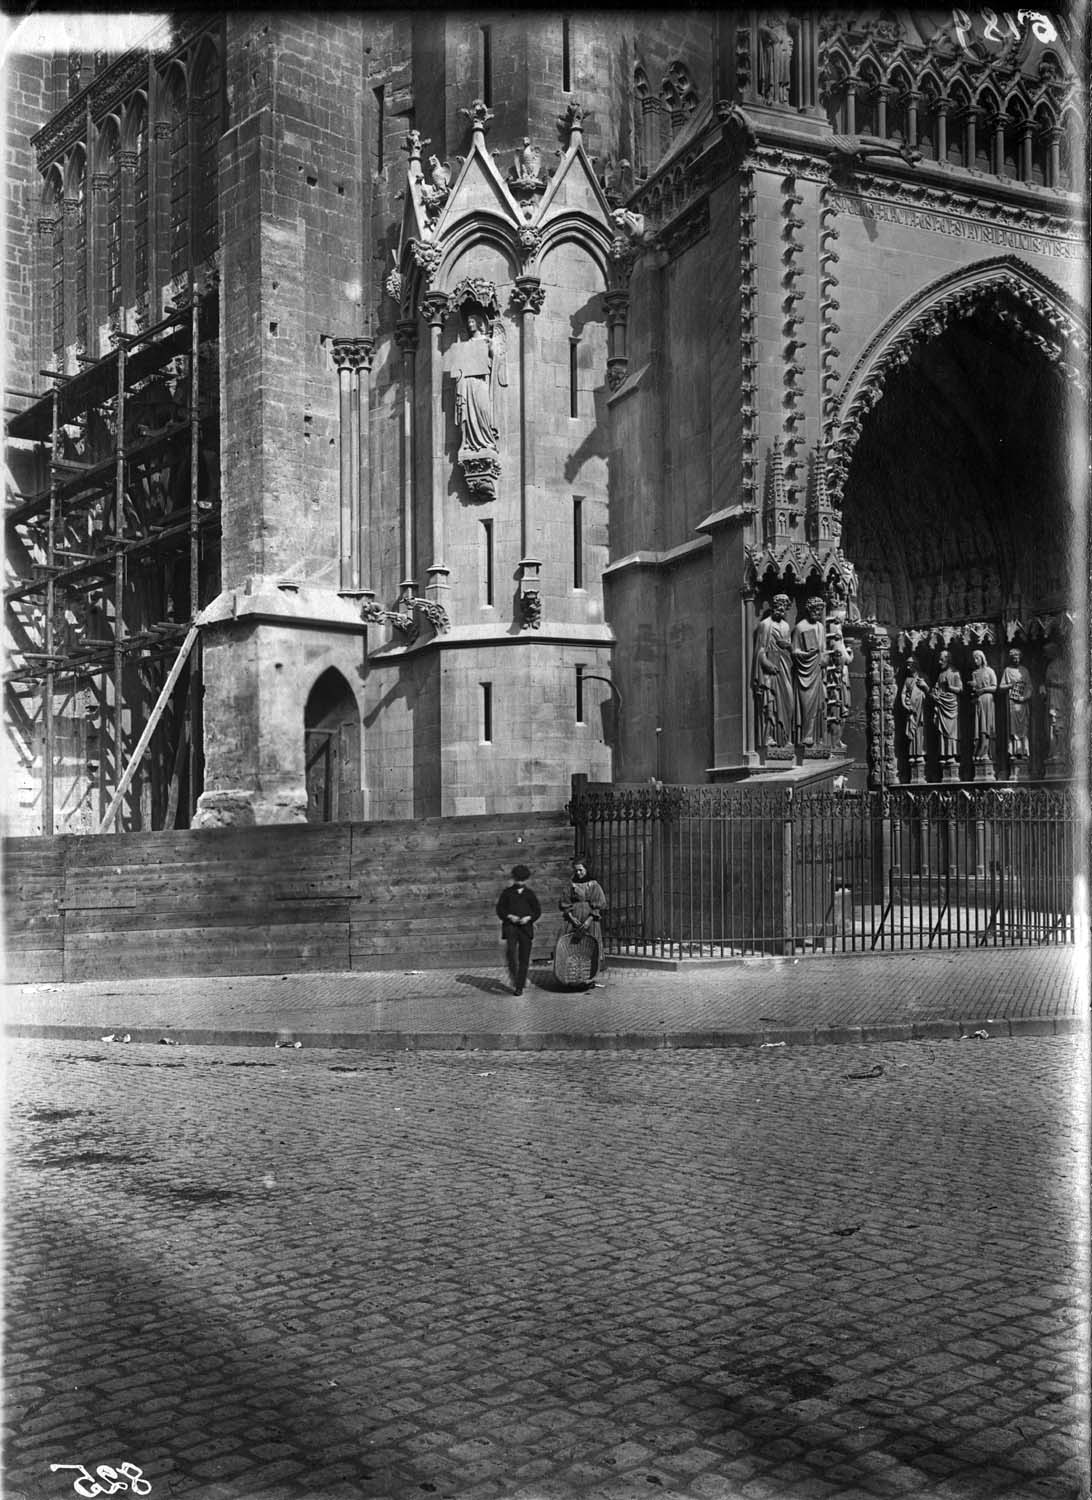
[{"x": 408, "y": 412}]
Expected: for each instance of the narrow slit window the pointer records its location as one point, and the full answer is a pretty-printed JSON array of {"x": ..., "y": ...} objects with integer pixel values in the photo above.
[
  {"x": 487, "y": 64},
  {"x": 566, "y": 55},
  {"x": 380, "y": 124},
  {"x": 487, "y": 563},
  {"x": 574, "y": 409},
  {"x": 578, "y": 541},
  {"x": 580, "y": 693},
  {"x": 487, "y": 713}
]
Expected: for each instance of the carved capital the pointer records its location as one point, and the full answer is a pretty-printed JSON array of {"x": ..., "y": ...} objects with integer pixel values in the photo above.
[
  {"x": 435, "y": 307},
  {"x": 128, "y": 160},
  {"x": 102, "y": 182},
  {"x": 617, "y": 307},
  {"x": 46, "y": 226},
  {"x": 72, "y": 206},
  {"x": 406, "y": 335},
  {"x": 528, "y": 294},
  {"x": 353, "y": 353},
  {"x": 161, "y": 130}
]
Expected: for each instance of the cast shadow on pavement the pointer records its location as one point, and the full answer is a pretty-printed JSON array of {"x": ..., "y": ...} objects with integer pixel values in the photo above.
[
  {"x": 491, "y": 986},
  {"x": 189, "y": 1389}
]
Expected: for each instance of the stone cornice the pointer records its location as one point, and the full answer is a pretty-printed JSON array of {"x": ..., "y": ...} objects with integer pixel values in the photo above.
[
  {"x": 942, "y": 209},
  {"x": 468, "y": 637},
  {"x": 669, "y": 558}
]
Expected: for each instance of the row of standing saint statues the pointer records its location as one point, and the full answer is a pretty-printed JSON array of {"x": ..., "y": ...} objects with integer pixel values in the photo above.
[
  {"x": 800, "y": 679},
  {"x": 1014, "y": 691}
]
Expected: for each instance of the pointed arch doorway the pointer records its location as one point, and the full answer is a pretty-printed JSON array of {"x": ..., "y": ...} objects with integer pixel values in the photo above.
[
  {"x": 957, "y": 494},
  {"x": 332, "y": 751}
]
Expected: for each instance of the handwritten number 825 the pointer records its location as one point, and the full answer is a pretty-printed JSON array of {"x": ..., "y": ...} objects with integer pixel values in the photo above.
[{"x": 125, "y": 1477}]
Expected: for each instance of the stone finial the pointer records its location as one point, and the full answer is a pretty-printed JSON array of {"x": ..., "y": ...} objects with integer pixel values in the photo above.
[
  {"x": 413, "y": 144},
  {"x": 479, "y": 114},
  {"x": 571, "y": 123}
]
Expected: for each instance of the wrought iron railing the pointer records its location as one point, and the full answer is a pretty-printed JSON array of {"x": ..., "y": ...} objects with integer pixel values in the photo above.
[{"x": 719, "y": 871}]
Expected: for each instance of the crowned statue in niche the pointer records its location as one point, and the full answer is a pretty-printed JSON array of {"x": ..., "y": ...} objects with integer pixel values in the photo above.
[
  {"x": 771, "y": 675},
  {"x": 479, "y": 365}
]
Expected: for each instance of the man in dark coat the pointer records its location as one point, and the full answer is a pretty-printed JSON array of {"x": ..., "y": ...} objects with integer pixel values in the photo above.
[{"x": 518, "y": 910}]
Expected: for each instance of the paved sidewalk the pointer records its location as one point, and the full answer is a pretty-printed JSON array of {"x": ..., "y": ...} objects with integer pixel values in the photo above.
[{"x": 884, "y": 997}]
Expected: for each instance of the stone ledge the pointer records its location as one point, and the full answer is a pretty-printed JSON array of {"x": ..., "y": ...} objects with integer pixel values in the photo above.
[{"x": 283, "y": 601}]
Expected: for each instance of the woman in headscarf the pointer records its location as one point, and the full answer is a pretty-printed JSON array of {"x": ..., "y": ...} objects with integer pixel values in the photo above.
[{"x": 580, "y": 944}]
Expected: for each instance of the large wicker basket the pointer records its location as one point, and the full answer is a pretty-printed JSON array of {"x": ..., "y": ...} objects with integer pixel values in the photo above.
[{"x": 576, "y": 958}]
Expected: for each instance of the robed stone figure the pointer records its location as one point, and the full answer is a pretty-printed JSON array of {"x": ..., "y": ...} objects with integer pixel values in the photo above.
[
  {"x": 912, "y": 698},
  {"x": 775, "y": 58},
  {"x": 945, "y": 694},
  {"x": 983, "y": 686},
  {"x": 1015, "y": 687},
  {"x": 809, "y": 703},
  {"x": 478, "y": 365},
  {"x": 771, "y": 675}
]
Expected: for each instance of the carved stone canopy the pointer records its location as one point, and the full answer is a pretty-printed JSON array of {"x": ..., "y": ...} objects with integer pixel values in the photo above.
[{"x": 476, "y": 293}]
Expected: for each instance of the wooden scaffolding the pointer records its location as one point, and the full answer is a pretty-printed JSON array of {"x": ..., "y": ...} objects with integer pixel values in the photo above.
[{"x": 113, "y": 543}]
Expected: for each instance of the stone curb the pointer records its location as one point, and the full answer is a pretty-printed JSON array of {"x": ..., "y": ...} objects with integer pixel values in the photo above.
[{"x": 553, "y": 1041}]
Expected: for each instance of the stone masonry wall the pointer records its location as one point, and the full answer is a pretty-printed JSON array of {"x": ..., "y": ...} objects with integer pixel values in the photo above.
[
  {"x": 27, "y": 99},
  {"x": 292, "y": 235}
]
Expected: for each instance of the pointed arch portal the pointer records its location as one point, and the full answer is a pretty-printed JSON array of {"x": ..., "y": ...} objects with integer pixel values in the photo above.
[
  {"x": 957, "y": 480},
  {"x": 332, "y": 742}
]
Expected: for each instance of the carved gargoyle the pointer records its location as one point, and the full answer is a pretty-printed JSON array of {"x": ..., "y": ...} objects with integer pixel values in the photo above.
[
  {"x": 852, "y": 151},
  {"x": 632, "y": 227}
]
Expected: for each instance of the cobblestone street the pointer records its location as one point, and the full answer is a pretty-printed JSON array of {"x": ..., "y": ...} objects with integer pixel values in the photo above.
[{"x": 763, "y": 1274}]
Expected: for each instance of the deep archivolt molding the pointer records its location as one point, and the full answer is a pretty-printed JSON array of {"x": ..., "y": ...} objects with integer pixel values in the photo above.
[{"x": 1009, "y": 288}]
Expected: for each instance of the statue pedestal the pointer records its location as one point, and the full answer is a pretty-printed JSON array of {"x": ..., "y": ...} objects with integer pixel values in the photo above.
[
  {"x": 1018, "y": 771},
  {"x": 949, "y": 771},
  {"x": 984, "y": 770},
  {"x": 917, "y": 770}
]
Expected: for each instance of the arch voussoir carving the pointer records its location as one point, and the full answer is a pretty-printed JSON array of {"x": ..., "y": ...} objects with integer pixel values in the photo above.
[{"x": 1018, "y": 298}]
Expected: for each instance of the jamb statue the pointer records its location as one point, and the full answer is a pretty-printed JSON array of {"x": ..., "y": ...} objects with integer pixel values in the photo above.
[
  {"x": 1015, "y": 689},
  {"x": 771, "y": 675},
  {"x": 945, "y": 695},
  {"x": 912, "y": 699},
  {"x": 809, "y": 708},
  {"x": 983, "y": 686}
]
